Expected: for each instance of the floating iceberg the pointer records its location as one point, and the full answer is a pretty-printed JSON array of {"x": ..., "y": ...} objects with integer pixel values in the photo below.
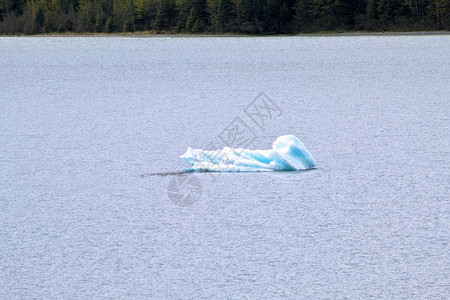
[{"x": 288, "y": 154}]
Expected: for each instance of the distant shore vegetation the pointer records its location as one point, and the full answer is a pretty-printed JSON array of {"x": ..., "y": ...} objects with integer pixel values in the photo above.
[{"x": 221, "y": 16}]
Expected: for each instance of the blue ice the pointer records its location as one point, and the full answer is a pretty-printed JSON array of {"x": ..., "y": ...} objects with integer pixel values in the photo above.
[{"x": 288, "y": 153}]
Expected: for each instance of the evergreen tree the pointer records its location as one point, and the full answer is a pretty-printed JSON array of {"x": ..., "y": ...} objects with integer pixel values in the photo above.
[
  {"x": 145, "y": 13},
  {"x": 165, "y": 18},
  {"x": 221, "y": 14}
]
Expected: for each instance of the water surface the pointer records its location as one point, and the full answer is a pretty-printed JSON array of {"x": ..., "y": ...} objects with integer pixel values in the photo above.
[{"x": 91, "y": 129}]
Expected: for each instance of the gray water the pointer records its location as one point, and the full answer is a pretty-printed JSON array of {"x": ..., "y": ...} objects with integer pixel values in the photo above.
[{"x": 91, "y": 129}]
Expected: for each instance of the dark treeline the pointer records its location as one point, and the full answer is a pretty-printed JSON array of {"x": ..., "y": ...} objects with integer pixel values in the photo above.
[{"x": 245, "y": 16}]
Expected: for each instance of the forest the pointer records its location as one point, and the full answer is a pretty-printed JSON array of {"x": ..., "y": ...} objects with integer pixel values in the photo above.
[{"x": 221, "y": 16}]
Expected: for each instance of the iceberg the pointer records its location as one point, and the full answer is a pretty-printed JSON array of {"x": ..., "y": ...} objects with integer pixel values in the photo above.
[{"x": 287, "y": 154}]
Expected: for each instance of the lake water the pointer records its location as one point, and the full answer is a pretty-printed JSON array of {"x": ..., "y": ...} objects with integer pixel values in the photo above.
[{"x": 94, "y": 203}]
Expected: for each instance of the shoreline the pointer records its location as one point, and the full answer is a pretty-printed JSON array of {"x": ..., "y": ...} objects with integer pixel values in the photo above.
[{"x": 227, "y": 35}]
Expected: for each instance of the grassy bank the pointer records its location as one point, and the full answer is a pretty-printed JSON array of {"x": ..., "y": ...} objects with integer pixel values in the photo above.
[{"x": 187, "y": 34}]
